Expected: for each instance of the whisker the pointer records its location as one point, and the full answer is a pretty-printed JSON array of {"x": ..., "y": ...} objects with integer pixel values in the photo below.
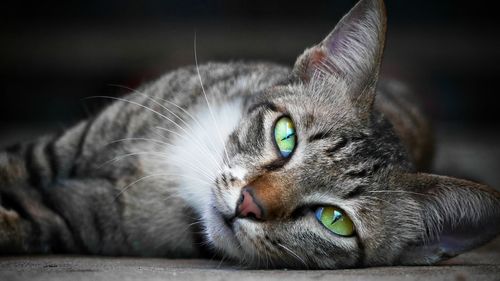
[
  {"x": 134, "y": 103},
  {"x": 139, "y": 205},
  {"x": 140, "y": 139},
  {"x": 199, "y": 146},
  {"x": 199, "y": 127},
  {"x": 201, "y": 165},
  {"x": 208, "y": 103},
  {"x": 161, "y": 155},
  {"x": 156, "y": 102},
  {"x": 149, "y": 109},
  {"x": 151, "y": 140},
  {"x": 179, "y": 107},
  {"x": 221, "y": 261},
  {"x": 120, "y": 157},
  {"x": 125, "y": 188},
  {"x": 293, "y": 254}
]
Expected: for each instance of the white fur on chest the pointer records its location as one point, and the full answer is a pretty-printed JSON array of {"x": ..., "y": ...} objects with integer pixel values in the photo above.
[{"x": 198, "y": 151}]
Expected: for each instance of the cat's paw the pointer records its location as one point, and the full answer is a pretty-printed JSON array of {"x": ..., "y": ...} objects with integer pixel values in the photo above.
[{"x": 10, "y": 231}]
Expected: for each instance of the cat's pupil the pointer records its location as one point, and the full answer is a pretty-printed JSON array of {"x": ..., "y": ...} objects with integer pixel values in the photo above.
[{"x": 289, "y": 136}]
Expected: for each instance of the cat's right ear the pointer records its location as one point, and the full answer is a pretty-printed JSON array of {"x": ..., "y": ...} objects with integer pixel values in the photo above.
[
  {"x": 353, "y": 50},
  {"x": 457, "y": 216}
]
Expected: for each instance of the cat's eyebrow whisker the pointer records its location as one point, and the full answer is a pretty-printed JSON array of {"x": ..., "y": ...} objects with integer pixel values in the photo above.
[
  {"x": 293, "y": 254},
  {"x": 206, "y": 99},
  {"x": 128, "y": 186}
]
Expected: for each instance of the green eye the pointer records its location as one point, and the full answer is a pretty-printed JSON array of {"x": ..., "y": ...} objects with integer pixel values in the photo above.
[
  {"x": 335, "y": 220},
  {"x": 284, "y": 135}
]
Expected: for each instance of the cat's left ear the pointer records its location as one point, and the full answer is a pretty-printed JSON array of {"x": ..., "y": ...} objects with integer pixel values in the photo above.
[
  {"x": 458, "y": 216},
  {"x": 352, "y": 50}
]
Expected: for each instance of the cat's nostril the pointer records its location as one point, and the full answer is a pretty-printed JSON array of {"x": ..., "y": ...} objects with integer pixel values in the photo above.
[{"x": 247, "y": 206}]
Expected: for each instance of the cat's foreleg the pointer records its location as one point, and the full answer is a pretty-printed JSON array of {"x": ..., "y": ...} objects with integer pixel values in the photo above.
[
  {"x": 26, "y": 225},
  {"x": 66, "y": 216}
]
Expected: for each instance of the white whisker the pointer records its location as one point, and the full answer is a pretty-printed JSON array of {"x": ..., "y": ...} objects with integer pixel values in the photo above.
[
  {"x": 293, "y": 254},
  {"x": 125, "y": 188},
  {"x": 134, "y": 103},
  {"x": 208, "y": 103},
  {"x": 161, "y": 155},
  {"x": 184, "y": 111},
  {"x": 149, "y": 109},
  {"x": 140, "y": 139},
  {"x": 199, "y": 146}
]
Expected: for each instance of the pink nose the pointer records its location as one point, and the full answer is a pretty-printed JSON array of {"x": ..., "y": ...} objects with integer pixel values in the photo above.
[{"x": 247, "y": 207}]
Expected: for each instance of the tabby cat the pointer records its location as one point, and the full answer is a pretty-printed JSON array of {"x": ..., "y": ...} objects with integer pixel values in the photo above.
[{"x": 315, "y": 166}]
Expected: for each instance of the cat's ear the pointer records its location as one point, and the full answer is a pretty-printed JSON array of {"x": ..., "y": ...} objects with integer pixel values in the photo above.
[
  {"x": 458, "y": 215},
  {"x": 353, "y": 49}
]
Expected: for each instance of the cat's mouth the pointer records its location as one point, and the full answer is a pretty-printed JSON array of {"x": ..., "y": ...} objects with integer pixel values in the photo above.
[
  {"x": 222, "y": 234},
  {"x": 228, "y": 221}
]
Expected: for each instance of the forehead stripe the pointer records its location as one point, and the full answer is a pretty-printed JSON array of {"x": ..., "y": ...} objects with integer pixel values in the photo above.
[{"x": 266, "y": 104}]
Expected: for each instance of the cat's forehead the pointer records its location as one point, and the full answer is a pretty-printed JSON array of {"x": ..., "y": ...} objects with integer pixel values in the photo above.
[
  {"x": 321, "y": 104},
  {"x": 326, "y": 89}
]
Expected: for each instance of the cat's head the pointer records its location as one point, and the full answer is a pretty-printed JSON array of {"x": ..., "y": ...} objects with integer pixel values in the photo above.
[{"x": 316, "y": 178}]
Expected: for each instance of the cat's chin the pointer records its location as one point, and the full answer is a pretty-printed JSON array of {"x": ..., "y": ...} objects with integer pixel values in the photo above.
[{"x": 221, "y": 235}]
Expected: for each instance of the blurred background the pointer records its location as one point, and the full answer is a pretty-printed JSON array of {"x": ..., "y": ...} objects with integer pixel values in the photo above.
[{"x": 53, "y": 54}]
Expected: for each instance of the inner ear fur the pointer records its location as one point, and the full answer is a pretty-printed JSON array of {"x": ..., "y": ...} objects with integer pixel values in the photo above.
[
  {"x": 353, "y": 49},
  {"x": 458, "y": 215}
]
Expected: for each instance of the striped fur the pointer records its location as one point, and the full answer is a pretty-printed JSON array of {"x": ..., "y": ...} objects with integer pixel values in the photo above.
[{"x": 160, "y": 171}]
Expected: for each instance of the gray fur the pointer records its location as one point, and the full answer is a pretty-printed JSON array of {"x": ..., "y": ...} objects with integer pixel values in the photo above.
[{"x": 147, "y": 176}]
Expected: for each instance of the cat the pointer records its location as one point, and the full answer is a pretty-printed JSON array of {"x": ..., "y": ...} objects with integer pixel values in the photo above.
[{"x": 315, "y": 166}]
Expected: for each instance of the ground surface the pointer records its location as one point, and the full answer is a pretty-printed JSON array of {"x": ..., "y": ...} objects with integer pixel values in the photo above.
[{"x": 481, "y": 264}]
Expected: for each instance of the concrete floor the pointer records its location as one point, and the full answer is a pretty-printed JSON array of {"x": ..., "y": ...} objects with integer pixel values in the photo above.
[{"x": 481, "y": 264}]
